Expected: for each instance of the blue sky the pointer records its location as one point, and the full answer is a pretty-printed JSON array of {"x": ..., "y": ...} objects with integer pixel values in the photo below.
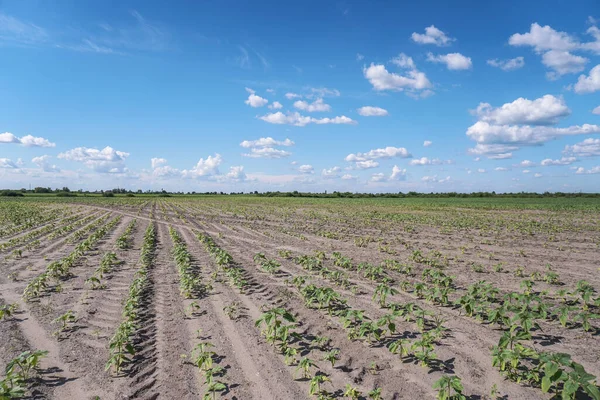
[{"x": 358, "y": 96}]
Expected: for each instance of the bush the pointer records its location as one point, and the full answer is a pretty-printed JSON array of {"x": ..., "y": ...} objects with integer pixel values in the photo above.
[
  {"x": 11, "y": 193},
  {"x": 108, "y": 194},
  {"x": 66, "y": 194},
  {"x": 130, "y": 195}
]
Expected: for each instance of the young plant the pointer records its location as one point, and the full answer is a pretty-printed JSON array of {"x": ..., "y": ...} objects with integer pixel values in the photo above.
[{"x": 449, "y": 388}]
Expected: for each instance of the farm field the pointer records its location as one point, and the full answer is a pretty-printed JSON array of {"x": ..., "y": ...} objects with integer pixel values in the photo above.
[{"x": 242, "y": 297}]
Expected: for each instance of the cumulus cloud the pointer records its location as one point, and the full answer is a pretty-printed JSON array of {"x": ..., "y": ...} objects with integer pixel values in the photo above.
[
  {"x": 556, "y": 48},
  {"x": 413, "y": 80},
  {"x": 398, "y": 174},
  {"x": 388, "y": 152},
  {"x": 378, "y": 177},
  {"x": 500, "y": 169},
  {"x": 316, "y": 106},
  {"x": 563, "y": 161},
  {"x": 291, "y": 95},
  {"x": 107, "y": 160},
  {"x": 267, "y": 152},
  {"x": 276, "y": 105},
  {"x": 157, "y": 162},
  {"x": 429, "y": 161},
  {"x": 588, "y": 148},
  {"x": 369, "y": 111},
  {"x": 427, "y": 143},
  {"x": 485, "y": 133},
  {"x": 348, "y": 177},
  {"x": 453, "y": 61},
  {"x": 481, "y": 171},
  {"x": 266, "y": 142},
  {"x": 204, "y": 167},
  {"x": 306, "y": 169},
  {"x": 500, "y": 131},
  {"x": 27, "y": 140},
  {"x": 588, "y": 84},
  {"x": 508, "y": 65},
  {"x": 545, "y": 110},
  {"x": 256, "y": 101},
  {"x": 43, "y": 163},
  {"x": 537, "y": 175},
  {"x": 543, "y": 38},
  {"x": 296, "y": 119},
  {"x": 366, "y": 164},
  {"x": 526, "y": 164},
  {"x": 433, "y": 36},
  {"x": 596, "y": 111},
  {"x": 593, "y": 170},
  {"x": 331, "y": 173},
  {"x": 236, "y": 174},
  {"x": 359, "y": 57},
  {"x": 435, "y": 179},
  {"x": 403, "y": 61},
  {"x": 7, "y": 164},
  {"x": 562, "y": 62}
]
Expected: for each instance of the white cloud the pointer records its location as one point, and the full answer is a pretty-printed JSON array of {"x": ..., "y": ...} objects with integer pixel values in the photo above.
[
  {"x": 267, "y": 152},
  {"x": 556, "y": 48},
  {"x": 203, "y": 167},
  {"x": 432, "y": 35},
  {"x": 165, "y": 171},
  {"x": 563, "y": 161},
  {"x": 382, "y": 79},
  {"x": 493, "y": 151},
  {"x": 428, "y": 161},
  {"x": 331, "y": 172},
  {"x": 236, "y": 174},
  {"x": 276, "y": 105},
  {"x": 255, "y": 100},
  {"x": 290, "y": 95},
  {"x": 508, "y": 65},
  {"x": 588, "y": 148},
  {"x": 500, "y": 169},
  {"x": 323, "y": 92},
  {"x": 306, "y": 169},
  {"x": 589, "y": 84},
  {"x": 300, "y": 120},
  {"x": 348, "y": 177},
  {"x": 107, "y": 160},
  {"x": 388, "y": 152},
  {"x": 525, "y": 135},
  {"x": 369, "y": 111},
  {"x": 526, "y": 171},
  {"x": 398, "y": 174},
  {"x": 537, "y": 175},
  {"x": 44, "y": 164},
  {"x": 403, "y": 61},
  {"x": 596, "y": 111},
  {"x": 359, "y": 57},
  {"x": 27, "y": 140},
  {"x": 379, "y": 177},
  {"x": 526, "y": 164},
  {"x": 7, "y": 164},
  {"x": 266, "y": 142},
  {"x": 543, "y": 38},
  {"x": 20, "y": 162},
  {"x": 157, "y": 162},
  {"x": 427, "y": 143},
  {"x": 593, "y": 170},
  {"x": 453, "y": 61},
  {"x": 367, "y": 164},
  {"x": 542, "y": 111},
  {"x": 317, "y": 106},
  {"x": 562, "y": 62},
  {"x": 434, "y": 179},
  {"x": 481, "y": 171}
]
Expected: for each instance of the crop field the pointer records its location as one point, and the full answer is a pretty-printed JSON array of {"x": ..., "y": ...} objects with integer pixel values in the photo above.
[{"x": 243, "y": 297}]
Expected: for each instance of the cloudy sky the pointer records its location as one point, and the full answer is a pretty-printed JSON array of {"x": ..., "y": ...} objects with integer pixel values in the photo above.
[{"x": 315, "y": 95}]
